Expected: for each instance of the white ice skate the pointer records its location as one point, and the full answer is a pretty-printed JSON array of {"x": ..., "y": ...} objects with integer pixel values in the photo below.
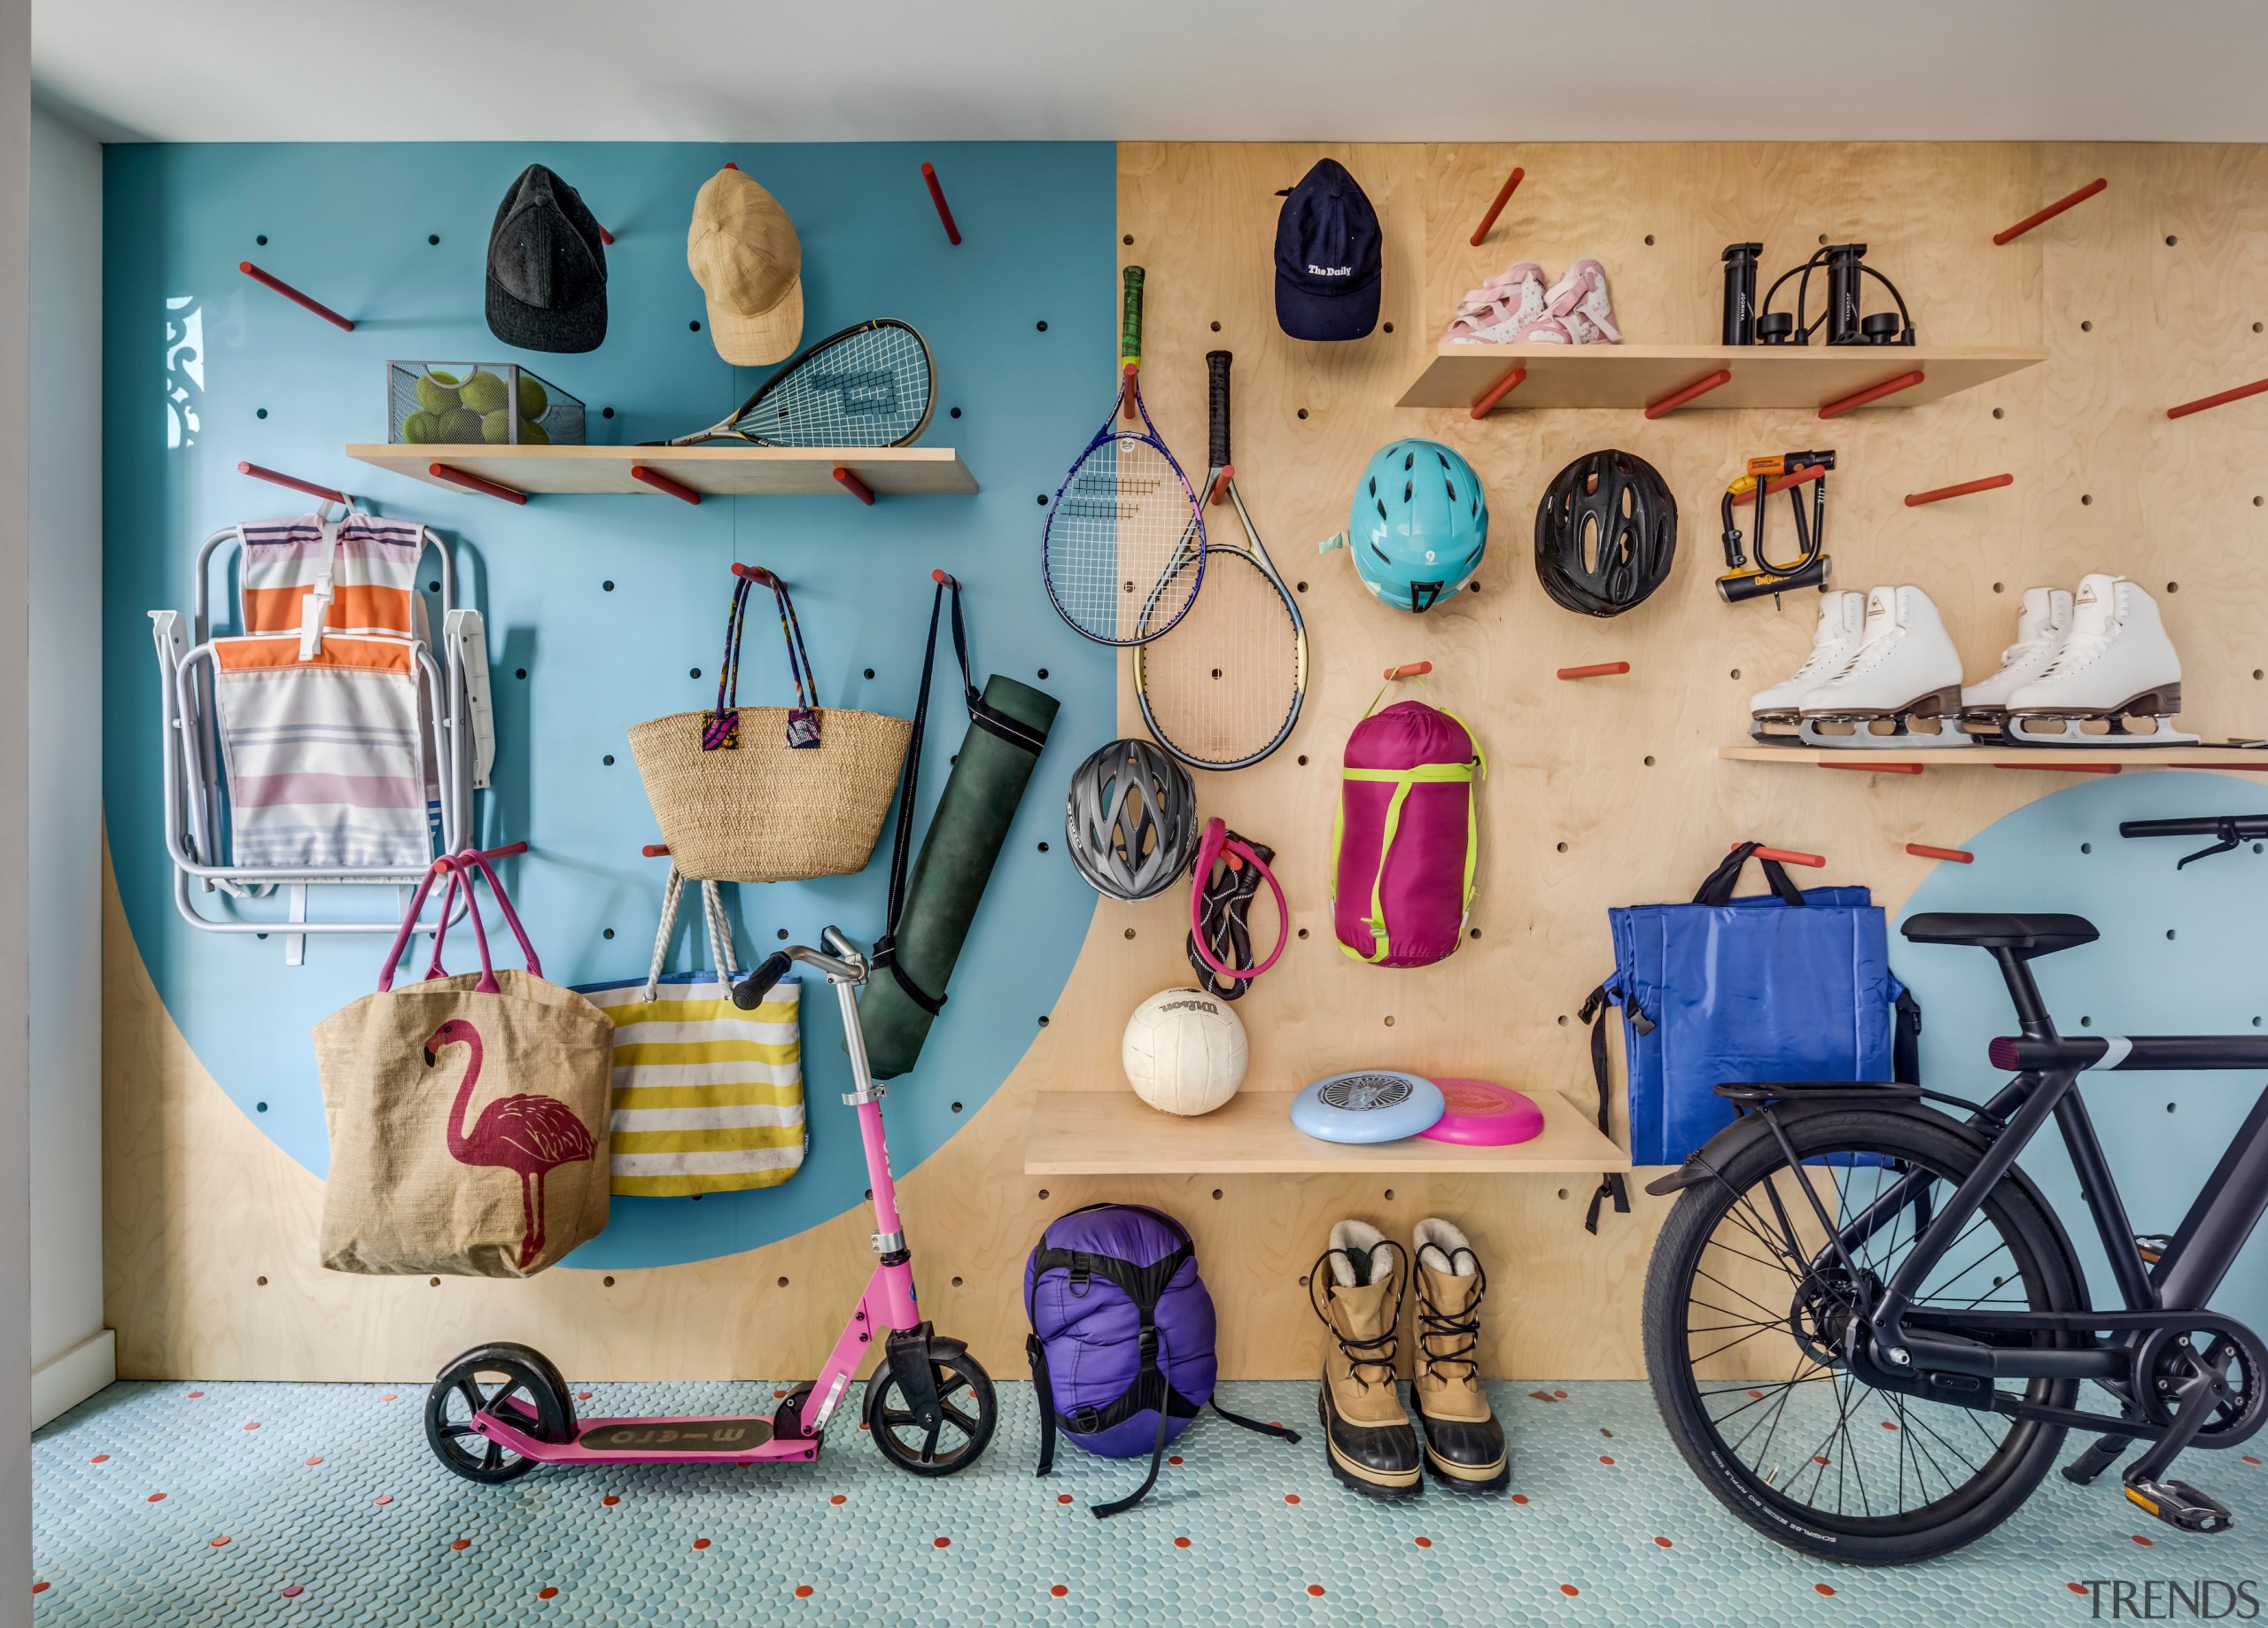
[
  {"x": 1773, "y": 713},
  {"x": 1903, "y": 669},
  {"x": 2041, "y": 624},
  {"x": 2115, "y": 664}
]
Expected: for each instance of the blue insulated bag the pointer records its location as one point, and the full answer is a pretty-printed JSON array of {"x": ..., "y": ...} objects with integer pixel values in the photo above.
[
  {"x": 1793, "y": 984},
  {"x": 1122, "y": 1337}
]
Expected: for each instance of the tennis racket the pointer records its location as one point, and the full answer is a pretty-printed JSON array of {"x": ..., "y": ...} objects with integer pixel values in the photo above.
[
  {"x": 1223, "y": 689},
  {"x": 871, "y": 386},
  {"x": 1123, "y": 548}
]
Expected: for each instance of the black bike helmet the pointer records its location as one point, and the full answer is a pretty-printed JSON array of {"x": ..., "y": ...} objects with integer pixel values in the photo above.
[
  {"x": 1130, "y": 820},
  {"x": 1605, "y": 534}
]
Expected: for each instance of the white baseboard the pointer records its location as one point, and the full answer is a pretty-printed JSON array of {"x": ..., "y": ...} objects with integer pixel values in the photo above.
[{"x": 70, "y": 1379}]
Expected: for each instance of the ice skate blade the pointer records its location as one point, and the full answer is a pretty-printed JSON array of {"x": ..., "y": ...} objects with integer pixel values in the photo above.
[
  {"x": 2016, "y": 731},
  {"x": 1902, "y": 740},
  {"x": 1775, "y": 729}
]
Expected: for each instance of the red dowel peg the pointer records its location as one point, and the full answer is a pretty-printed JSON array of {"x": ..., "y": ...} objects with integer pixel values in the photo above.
[
  {"x": 1951, "y": 856},
  {"x": 1597, "y": 669},
  {"x": 1677, "y": 399},
  {"x": 1780, "y": 483},
  {"x": 505, "y": 852},
  {"x": 295, "y": 484},
  {"x": 945, "y": 578},
  {"x": 605, "y": 236},
  {"x": 1876, "y": 393},
  {"x": 754, "y": 573},
  {"x": 660, "y": 482},
  {"x": 656, "y": 850},
  {"x": 1220, "y": 492},
  {"x": 1991, "y": 483},
  {"x": 1503, "y": 195},
  {"x": 2051, "y": 211},
  {"x": 2066, "y": 768},
  {"x": 2223, "y": 400},
  {"x": 944, "y": 210},
  {"x": 267, "y": 281},
  {"x": 1497, "y": 391},
  {"x": 1409, "y": 669},
  {"x": 474, "y": 483},
  {"x": 1789, "y": 856},
  {"x": 856, "y": 487},
  {"x": 1864, "y": 767}
]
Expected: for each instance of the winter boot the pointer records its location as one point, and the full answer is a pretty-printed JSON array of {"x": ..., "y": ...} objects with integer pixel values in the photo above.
[
  {"x": 1465, "y": 1445},
  {"x": 1356, "y": 1288}
]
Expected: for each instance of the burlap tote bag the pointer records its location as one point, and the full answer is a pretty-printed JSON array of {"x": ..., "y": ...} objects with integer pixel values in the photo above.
[
  {"x": 769, "y": 794},
  {"x": 468, "y": 1113}
]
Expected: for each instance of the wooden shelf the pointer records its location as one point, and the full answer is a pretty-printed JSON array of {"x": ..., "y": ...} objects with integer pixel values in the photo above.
[
  {"x": 1631, "y": 375},
  {"x": 2072, "y": 757},
  {"x": 1115, "y": 1132},
  {"x": 713, "y": 471}
]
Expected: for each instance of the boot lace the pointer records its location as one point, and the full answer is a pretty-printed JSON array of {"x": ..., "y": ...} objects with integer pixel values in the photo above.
[
  {"x": 1377, "y": 1353},
  {"x": 1435, "y": 1325}
]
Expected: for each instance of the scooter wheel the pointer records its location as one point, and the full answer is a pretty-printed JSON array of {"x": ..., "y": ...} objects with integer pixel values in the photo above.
[
  {"x": 503, "y": 1379},
  {"x": 967, "y": 1413}
]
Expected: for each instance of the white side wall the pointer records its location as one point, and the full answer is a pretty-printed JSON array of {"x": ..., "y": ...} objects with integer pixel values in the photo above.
[
  {"x": 15, "y": 622},
  {"x": 71, "y": 1352}
]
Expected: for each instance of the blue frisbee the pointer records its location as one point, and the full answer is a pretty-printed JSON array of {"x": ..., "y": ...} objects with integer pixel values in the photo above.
[{"x": 1370, "y": 1104}]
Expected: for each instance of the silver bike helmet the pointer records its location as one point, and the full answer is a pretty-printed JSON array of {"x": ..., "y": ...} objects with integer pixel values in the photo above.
[{"x": 1132, "y": 820}]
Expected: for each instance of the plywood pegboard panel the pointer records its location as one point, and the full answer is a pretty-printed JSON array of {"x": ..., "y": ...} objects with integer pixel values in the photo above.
[{"x": 1602, "y": 792}]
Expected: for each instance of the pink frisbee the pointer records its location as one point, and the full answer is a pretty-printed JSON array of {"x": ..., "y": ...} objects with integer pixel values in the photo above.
[{"x": 1484, "y": 1115}]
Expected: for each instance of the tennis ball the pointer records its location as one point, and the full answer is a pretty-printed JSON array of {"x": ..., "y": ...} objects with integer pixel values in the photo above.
[
  {"x": 533, "y": 434},
  {"x": 421, "y": 427},
  {"x": 484, "y": 393},
  {"x": 460, "y": 425},
  {"x": 496, "y": 427},
  {"x": 534, "y": 401},
  {"x": 435, "y": 391}
]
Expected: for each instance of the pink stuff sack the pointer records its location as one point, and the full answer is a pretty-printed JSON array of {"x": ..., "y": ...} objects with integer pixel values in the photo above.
[{"x": 1406, "y": 839}]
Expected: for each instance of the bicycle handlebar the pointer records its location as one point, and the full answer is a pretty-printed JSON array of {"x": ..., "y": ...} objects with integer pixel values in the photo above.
[{"x": 2243, "y": 827}]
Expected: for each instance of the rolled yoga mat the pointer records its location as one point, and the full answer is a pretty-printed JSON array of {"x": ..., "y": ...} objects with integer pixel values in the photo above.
[{"x": 948, "y": 879}]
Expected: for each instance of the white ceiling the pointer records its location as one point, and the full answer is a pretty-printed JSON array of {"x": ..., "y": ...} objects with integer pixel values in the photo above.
[{"x": 1335, "y": 70}]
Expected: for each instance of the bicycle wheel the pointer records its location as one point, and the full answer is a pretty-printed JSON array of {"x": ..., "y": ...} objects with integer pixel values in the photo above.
[{"x": 1746, "y": 1304}]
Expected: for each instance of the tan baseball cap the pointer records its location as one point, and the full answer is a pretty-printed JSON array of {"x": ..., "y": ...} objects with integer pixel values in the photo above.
[{"x": 747, "y": 259}]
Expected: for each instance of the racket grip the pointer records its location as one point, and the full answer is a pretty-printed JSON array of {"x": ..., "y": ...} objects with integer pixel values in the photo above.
[
  {"x": 1129, "y": 333},
  {"x": 1216, "y": 368}
]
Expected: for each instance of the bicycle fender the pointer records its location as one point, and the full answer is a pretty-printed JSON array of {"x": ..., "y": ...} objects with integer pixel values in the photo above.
[{"x": 1751, "y": 1127}]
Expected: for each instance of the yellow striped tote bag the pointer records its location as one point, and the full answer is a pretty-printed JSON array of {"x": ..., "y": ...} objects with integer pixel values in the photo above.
[{"x": 707, "y": 1098}]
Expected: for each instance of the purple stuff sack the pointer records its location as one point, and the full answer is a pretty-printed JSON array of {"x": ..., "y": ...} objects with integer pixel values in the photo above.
[
  {"x": 1406, "y": 838},
  {"x": 1122, "y": 1336}
]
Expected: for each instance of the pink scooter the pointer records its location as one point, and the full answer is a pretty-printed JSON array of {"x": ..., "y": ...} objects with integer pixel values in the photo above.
[{"x": 500, "y": 1410}]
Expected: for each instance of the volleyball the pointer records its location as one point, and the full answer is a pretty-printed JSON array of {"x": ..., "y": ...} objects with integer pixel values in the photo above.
[{"x": 1184, "y": 1052}]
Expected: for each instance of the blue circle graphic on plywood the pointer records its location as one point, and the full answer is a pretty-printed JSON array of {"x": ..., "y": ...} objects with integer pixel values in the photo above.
[
  {"x": 601, "y": 611},
  {"x": 1366, "y": 1106},
  {"x": 2182, "y": 951}
]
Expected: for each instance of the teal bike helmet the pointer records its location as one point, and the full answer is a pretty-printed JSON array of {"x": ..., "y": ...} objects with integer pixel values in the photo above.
[{"x": 1418, "y": 524}]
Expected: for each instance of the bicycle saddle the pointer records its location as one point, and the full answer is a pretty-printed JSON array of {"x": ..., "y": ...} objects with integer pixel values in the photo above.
[{"x": 2027, "y": 935}]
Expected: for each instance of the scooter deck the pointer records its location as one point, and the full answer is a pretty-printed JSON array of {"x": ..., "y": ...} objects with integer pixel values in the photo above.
[{"x": 673, "y": 1437}]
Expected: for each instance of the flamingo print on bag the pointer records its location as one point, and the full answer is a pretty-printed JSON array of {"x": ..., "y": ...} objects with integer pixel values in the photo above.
[{"x": 526, "y": 1134}]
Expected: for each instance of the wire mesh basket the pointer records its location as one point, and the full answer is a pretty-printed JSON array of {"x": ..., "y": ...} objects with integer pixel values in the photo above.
[{"x": 448, "y": 403}]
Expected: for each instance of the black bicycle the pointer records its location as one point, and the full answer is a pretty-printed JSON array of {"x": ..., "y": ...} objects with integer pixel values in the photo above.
[{"x": 1867, "y": 1331}]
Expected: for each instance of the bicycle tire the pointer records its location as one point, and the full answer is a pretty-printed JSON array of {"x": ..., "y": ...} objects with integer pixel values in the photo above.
[{"x": 1698, "y": 1412}]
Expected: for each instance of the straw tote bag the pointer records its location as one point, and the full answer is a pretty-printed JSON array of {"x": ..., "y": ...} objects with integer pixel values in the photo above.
[
  {"x": 769, "y": 794},
  {"x": 468, "y": 1114}
]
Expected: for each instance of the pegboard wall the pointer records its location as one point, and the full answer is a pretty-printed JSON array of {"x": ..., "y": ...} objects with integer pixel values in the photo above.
[{"x": 1600, "y": 792}]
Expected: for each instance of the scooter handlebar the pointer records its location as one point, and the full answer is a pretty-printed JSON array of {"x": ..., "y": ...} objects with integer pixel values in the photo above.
[{"x": 748, "y": 993}]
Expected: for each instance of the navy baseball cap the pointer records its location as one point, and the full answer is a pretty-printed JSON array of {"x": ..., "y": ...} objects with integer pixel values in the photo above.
[{"x": 1327, "y": 257}]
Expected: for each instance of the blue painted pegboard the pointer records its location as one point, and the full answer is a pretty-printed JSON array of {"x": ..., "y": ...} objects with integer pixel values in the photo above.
[
  {"x": 607, "y": 604},
  {"x": 2181, "y": 953}
]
